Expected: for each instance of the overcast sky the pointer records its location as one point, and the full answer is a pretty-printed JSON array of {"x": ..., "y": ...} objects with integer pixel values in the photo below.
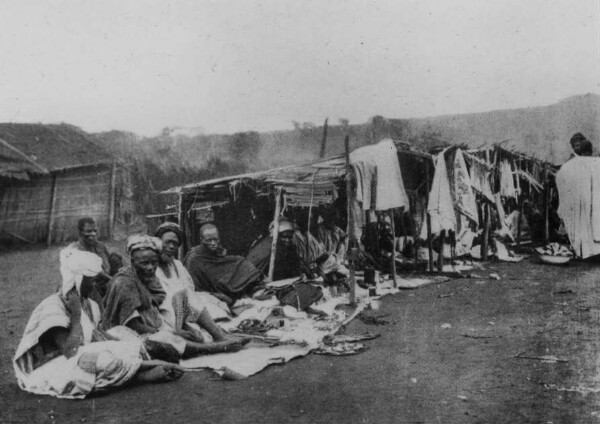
[{"x": 244, "y": 65}]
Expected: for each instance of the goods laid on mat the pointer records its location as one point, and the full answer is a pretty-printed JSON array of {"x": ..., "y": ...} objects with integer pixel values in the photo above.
[{"x": 281, "y": 332}]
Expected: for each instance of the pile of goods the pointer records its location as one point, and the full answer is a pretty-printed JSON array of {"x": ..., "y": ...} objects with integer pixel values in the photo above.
[{"x": 555, "y": 249}]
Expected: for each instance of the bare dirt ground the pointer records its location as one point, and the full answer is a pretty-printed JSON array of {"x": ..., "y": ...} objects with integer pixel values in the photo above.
[{"x": 416, "y": 372}]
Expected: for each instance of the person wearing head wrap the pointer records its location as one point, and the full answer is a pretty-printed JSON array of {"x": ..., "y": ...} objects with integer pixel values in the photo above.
[
  {"x": 135, "y": 296},
  {"x": 184, "y": 308},
  {"x": 63, "y": 354},
  {"x": 287, "y": 261}
]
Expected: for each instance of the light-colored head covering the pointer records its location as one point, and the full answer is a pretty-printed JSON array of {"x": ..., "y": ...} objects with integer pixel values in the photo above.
[
  {"x": 284, "y": 225},
  {"x": 138, "y": 242},
  {"x": 166, "y": 227},
  {"x": 74, "y": 265}
]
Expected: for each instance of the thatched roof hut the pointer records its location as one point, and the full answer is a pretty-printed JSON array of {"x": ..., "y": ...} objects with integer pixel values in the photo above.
[{"x": 50, "y": 176}]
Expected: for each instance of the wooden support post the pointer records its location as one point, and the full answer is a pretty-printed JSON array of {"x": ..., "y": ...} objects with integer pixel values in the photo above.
[
  {"x": 519, "y": 219},
  {"x": 275, "y": 234},
  {"x": 429, "y": 242},
  {"x": 486, "y": 231},
  {"x": 324, "y": 139},
  {"x": 181, "y": 222},
  {"x": 393, "y": 249},
  {"x": 351, "y": 235},
  {"x": 52, "y": 210},
  {"x": 112, "y": 200},
  {"x": 441, "y": 253},
  {"x": 547, "y": 197}
]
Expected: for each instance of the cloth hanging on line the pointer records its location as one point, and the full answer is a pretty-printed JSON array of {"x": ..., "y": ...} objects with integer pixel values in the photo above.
[
  {"x": 578, "y": 184},
  {"x": 440, "y": 206},
  {"x": 480, "y": 179},
  {"x": 503, "y": 229},
  {"x": 379, "y": 162},
  {"x": 463, "y": 191},
  {"x": 507, "y": 182}
]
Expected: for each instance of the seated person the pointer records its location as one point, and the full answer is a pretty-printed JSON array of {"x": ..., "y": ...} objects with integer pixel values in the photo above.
[
  {"x": 59, "y": 354},
  {"x": 111, "y": 262},
  {"x": 332, "y": 237},
  {"x": 321, "y": 259},
  {"x": 298, "y": 253},
  {"x": 287, "y": 262},
  {"x": 177, "y": 281},
  {"x": 227, "y": 277},
  {"x": 135, "y": 296}
]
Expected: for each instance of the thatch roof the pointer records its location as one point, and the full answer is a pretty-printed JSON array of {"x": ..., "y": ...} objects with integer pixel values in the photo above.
[
  {"x": 36, "y": 148},
  {"x": 16, "y": 164}
]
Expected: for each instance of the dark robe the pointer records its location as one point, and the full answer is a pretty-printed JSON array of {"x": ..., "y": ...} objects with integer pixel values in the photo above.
[
  {"x": 127, "y": 294},
  {"x": 287, "y": 263},
  {"x": 231, "y": 275}
]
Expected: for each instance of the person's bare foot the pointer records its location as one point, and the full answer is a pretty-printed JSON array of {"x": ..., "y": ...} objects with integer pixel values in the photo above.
[{"x": 160, "y": 374}]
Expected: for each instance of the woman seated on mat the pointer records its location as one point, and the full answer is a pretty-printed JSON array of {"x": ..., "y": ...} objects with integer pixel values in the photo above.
[
  {"x": 177, "y": 281},
  {"x": 63, "y": 354},
  {"x": 135, "y": 298}
]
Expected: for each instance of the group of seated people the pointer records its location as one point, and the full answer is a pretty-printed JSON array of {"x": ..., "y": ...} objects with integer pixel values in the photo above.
[{"x": 109, "y": 324}]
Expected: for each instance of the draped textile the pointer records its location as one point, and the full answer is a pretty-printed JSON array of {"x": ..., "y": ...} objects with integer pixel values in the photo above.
[
  {"x": 578, "y": 184},
  {"x": 465, "y": 200},
  {"x": 128, "y": 296},
  {"x": 96, "y": 366},
  {"x": 480, "y": 179},
  {"x": 440, "y": 206},
  {"x": 333, "y": 240},
  {"x": 379, "y": 162},
  {"x": 231, "y": 275},
  {"x": 287, "y": 264},
  {"x": 182, "y": 303},
  {"x": 507, "y": 181}
]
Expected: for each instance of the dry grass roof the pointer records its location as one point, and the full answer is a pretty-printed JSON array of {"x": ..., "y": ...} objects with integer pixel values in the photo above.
[{"x": 51, "y": 148}]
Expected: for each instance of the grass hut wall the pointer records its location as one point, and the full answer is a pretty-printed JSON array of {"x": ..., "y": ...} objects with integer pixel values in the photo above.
[{"x": 63, "y": 177}]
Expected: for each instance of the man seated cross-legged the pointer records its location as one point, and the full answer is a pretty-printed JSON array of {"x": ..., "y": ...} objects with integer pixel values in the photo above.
[{"x": 135, "y": 298}]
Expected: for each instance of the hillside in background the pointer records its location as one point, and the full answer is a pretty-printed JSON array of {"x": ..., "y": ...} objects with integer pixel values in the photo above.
[
  {"x": 176, "y": 158},
  {"x": 543, "y": 132}
]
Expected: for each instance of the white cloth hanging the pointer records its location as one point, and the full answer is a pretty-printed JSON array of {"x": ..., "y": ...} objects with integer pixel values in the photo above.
[
  {"x": 480, "y": 179},
  {"x": 464, "y": 196},
  {"x": 578, "y": 184},
  {"x": 380, "y": 162},
  {"x": 507, "y": 182},
  {"x": 440, "y": 206}
]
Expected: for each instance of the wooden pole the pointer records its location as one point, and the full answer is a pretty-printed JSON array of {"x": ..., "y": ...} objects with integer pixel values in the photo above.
[
  {"x": 351, "y": 235},
  {"x": 52, "y": 210},
  {"x": 519, "y": 219},
  {"x": 324, "y": 139},
  {"x": 441, "y": 254},
  {"x": 393, "y": 249},
  {"x": 112, "y": 201},
  {"x": 486, "y": 232},
  {"x": 181, "y": 219},
  {"x": 429, "y": 242},
  {"x": 428, "y": 221},
  {"x": 275, "y": 234},
  {"x": 547, "y": 194}
]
